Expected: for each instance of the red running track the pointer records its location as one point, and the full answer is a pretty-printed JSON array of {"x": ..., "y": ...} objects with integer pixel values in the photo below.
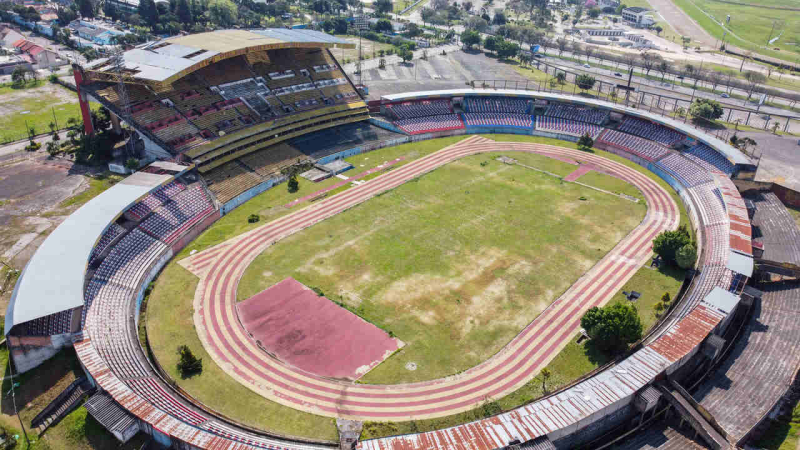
[{"x": 220, "y": 269}]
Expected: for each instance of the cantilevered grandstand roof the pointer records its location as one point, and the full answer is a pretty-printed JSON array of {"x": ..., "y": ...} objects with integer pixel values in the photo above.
[
  {"x": 170, "y": 59},
  {"x": 732, "y": 154},
  {"x": 53, "y": 279}
]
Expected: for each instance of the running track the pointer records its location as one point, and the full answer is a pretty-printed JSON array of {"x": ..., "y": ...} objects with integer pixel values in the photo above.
[{"x": 221, "y": 267}]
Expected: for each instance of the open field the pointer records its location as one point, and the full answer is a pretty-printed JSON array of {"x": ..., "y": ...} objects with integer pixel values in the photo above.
[
  {"x": 35, "y": 107},
  {"x": 783, "y": 433},
  {"x": 369, "y": 49},
  {"x": 172, "y": 299},
  {"x": 750, "y": 24},
  {"x": 454, "y": 263}
]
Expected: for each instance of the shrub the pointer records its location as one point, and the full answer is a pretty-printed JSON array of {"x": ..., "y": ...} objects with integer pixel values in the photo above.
[
  {"x": 585, "y": 142},
  {"x": 613, "y": 327},
  {"x": 188, "y": 364},
  {"x": 293, "y": 184},
  {"x": 253, "y": 218},
  {"x": 53, "y": 78}
]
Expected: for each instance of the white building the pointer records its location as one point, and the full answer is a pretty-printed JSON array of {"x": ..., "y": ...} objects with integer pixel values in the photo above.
[{"x": 638, "y": 17}]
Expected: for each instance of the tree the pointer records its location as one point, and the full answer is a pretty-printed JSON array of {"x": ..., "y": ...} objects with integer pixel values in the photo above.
[
  {"x": 405, "y": 53},
  {"x": 585, "y": 143},
  {"x": 383, "y": 6},
  {"x": 427, "y": 15},
  {"x": 476, "y": 24},
  {"x": 18, "y": 76},
  {"x": 585, "y": 81},
  {"x": 658, "y": 29},
  {"x": 184, "y": 12},
  {"x": 620, "y": 8},
  {"x": 293, "y": 185},
  {"x": 705, "y": 108},
  {"x": 594, "y": 13},
  {"x": 52, "y": 149},
  {"x": 561, "y": 43},
  {"x": 110, "y": 11},
  {"x": 686, "y": 40},
  {"x": 148, "y": 12},
  {"x": 85, "y": 8},
  {"x": 561, "y": 77},
  {"x": 467, "y": 6},
  {"x": 754, "y": 79},
  {"x": 490, "y": 43},
  {"x": 470, "y": 38},
  {"x": 222, "y": 12},
  {"x": 384, "y": 26},
  {"x": 188, "y": 364},
  {"x": 613, "y": 327},
  {"x": 667, "y": 243},
  {"x": 507, "y": 49},
  {"x": 499, "y": 17},
  {"x": 649, "y": 61},
  {"x": 545, "y": 376},
  {"x": 663, "y": 67},
  {"x": 686, "y": 256}
]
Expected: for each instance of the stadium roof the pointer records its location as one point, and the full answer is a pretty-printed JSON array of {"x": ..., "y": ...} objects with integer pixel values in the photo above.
[
  {"x": 732, "y": 154},
  {"x": 170, "y": 59},
  {"x": 53, "y": 279}
]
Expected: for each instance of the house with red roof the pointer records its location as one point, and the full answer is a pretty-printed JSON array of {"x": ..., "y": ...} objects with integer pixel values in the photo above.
[{"x": 40, "y": 57}]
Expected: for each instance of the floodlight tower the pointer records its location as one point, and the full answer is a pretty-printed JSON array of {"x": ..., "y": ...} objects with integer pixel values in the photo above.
[{"x": 117, "y": 61}]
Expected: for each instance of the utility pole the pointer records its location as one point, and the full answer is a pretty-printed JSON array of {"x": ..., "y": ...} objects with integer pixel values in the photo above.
[{"x": 14, "y": 401}]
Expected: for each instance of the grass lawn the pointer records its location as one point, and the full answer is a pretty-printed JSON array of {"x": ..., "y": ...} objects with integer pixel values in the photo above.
[
  {"x": 38, "y": 387},
  {"x": 440, "y": 271},
  {"x": 173, "y": 295},
  {"x": 751, "y": 23},
  {"x": 368, "y": 49},
  {"x": 795, "y": 212},
  {"x": 36, "y": 107},
  {"x": 783, "y": 433}
]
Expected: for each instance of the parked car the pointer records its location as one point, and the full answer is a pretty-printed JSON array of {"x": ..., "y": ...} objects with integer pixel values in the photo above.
[
  {"x": 617, "y": 74},
  {"x": 538, "y": 55},
  {"x": 587, "y": 66},
  {"x": 724, "y": 95},
  {"x": 680, "y": 77}
]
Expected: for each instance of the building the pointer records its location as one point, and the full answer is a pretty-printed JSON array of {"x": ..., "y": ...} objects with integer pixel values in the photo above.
[
  {"x": 8, "y": 36},
  {"x": 607, "y": 4},
  {"x": 603, "y": 32},
  {"x": 639, "y": 17},
  {"x": 38, "y": 56},
  {"x": 96, "y": 32}
]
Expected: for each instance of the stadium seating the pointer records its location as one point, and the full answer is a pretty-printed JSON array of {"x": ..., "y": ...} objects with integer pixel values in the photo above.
[
  {"x": 58, "y": 323},
  {"x": 648, "y": 150},
  {"x": 565, "y": 126},
  {"x": 582, "y": 114},
  {"x": 711, "y": 157},
  {"x": 410, "y": 110},
  {"x": 113, "y": 232},
  {"x": 180, "y": 213},
  {"x": 498, "y": 119},
  {"x": 229, "y": 180},
  {"x": 430, "y": 124},
  {"x": 153, "y": 200},
  {"x": 151, "y": 389},
  {"x": 650, "y": 131},
  {"x": 234, "y": 69},
  {"x": 687, "y": 172},
  {"x": 270, "y": 160},
  {"x": 496, "y": 105}
]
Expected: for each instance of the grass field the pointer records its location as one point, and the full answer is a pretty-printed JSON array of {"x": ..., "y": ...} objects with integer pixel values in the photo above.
[
  {"x": 170, "y": 308},
  {"x": 783, "y": 433},
  {"x": 35, "y": 107},
  {"x": 751, "y": 21},
  {"x": 369, "y": 49}
]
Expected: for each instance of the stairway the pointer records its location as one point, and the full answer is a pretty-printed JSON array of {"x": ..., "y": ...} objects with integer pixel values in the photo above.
[{"x": 62, "y": 405}]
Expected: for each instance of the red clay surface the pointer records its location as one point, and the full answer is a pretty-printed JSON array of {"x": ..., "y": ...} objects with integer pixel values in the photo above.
[
  {"x": 577, "y": 173},
  {"x": 220, "y": 268},
  {"x": 312, "y": 333}
]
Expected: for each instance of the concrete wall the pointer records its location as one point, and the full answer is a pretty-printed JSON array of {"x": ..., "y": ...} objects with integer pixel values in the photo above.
[
  {"x": 31, "y": 351},
  {"x": 250, "y": 193}
]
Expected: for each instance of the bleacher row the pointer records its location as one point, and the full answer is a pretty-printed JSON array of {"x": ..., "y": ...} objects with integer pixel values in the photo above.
[
  {"x": 565, "y": 126},
  {"x": 497, "y": 105},
  {"x": 498, "y": 119},
  {"x": 579, "y": 113},
  {"x": 114, "y": 231},
  {"x": 650, "y": 131},
  {"x": 154, "y": 200},
  {"x": 429, "y": 124},
  {"x": 191, "y": 113},
  {"x": 411, "y": 110},
  {"x": 641, "y": 147},
  {"x": 183, "y": 211}
]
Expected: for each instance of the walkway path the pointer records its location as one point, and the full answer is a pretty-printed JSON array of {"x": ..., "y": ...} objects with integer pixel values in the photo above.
[{"x": 221, "y": 267}]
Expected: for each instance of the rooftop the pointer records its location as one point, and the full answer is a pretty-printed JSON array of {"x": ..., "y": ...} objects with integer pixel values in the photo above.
[
  {"x": 635, "y": 10},
  {"x": 170, "y": 59},
  {"x": 53, "y": 279}
]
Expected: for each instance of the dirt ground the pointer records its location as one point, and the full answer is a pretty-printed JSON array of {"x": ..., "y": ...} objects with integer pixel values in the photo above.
[{"x": 31, "y": 189}]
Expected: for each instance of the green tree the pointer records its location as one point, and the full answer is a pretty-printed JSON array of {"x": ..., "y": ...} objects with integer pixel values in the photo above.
[
  {"x": 148, "y": 12},
  {"x": 667, "y": 243},
  {"x": 620, "y": 8},
  {"x": 85, "y": 7},
  {"x": 18, "y": 76},
  {"x": 52, "y": 149},
  {"x": 405, "y": 53},
  {"x": 585, "y": 81},
  {"x": 561, "y": 77},
  {"x": 594, "y": 13},
  {"x": 188, "y": 364},
  {"x": 686, "y": 256},
  {"x": 706, "y": 108},
  {"x": 383, "y": 6},
  {"x": 658, "y": 29},
  {"x": 545, "y": 376},
  {"x": 383, "y": 25},
  {"x": 586, "y": 142},
  {"x": 613, "y": 327},
  {"x": 184, "y": 12},
  {"x": 490, "y": 43},
  {"x": 222, "y": 12},
  {"x": 506, "y": 49},
  {"x": 470, "y": 38},
  {"x": 293, "y": 184}
]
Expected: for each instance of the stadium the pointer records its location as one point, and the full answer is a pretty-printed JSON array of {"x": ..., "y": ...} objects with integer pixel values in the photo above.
[{"x": 224, "y": 117}]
